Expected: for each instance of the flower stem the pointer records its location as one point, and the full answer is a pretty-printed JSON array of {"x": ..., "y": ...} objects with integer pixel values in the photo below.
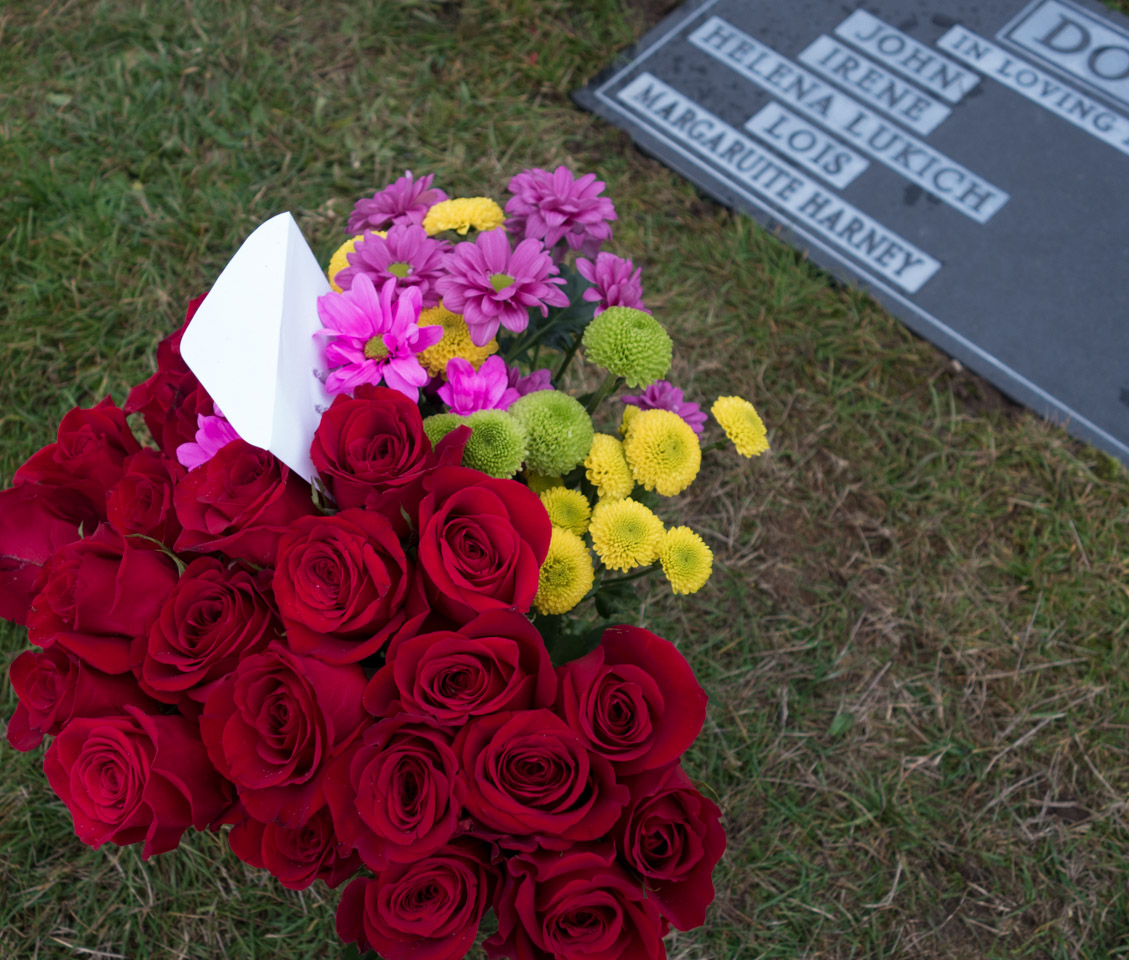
[
  {"x": 631, "y": 576},
  {"x": 716, "y": 445},
  {"x": 568, "y": 357},
  {"x": 609, "y": 386}
]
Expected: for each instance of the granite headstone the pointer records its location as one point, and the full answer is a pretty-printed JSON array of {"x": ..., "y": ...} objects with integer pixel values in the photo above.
[{"x": 966, "y": 161}]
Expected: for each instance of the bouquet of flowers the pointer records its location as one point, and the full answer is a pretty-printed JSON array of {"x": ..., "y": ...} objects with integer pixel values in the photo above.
[{"x": 410, "y": 671}]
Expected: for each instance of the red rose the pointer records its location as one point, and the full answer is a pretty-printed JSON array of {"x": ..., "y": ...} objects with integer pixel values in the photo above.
[
  {"x": 578, "y": 904},
  {"x": 297, "y": 856},
  {"x": 634, "y": 699},
  {"x": 240, "y": 503},
  {"x": 213, "y": 618},
  {"x": 141, "y": 501},
  {"x": 136, "y": 777},
  {"x": 340, "y": 584},
  {"x": 54, "y": 686},
  {"x": 529, "y": 774},
  {"x": 88, "y": 456},
  {"x": 482, "y": 542},
  {"x": 671, "y": 835},
  {"x": 427, "y": 910},
  {"x": 96, "y": 595},
  {"x": 496, "y": 662},
  {"x": 370, "y": 450},
  {"x": 172, "y": 398},
  {"x": 35, "y": 520},
  {"x": 273, "y": 726},
  {"x": 396, "y": 795}
]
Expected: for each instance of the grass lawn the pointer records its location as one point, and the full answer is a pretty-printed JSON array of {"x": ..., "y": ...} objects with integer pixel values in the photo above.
[{"x": 913, "y": 643}]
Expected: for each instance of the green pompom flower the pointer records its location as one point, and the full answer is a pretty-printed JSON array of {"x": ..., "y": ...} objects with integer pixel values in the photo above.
[
  {"x": 438, "y": 426},
  {"x": 496, "y": 445},
  {"x": 629, "y": 343},
  {"x": 559, "y": 428}
]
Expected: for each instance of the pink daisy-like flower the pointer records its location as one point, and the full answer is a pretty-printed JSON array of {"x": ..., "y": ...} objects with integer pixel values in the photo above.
[
  {"x": 537, "y": 380},
  {"x": 557, "y": 206},
  {"x": 407, "y": 255},
  {"x": 375, "y": 337},
  {"x": 492, "y": 285},
  {"x": 404, "y": 201},
  {"x": 467, "y": 391},
  {"x": 212, "y": 434},
  {"x": 615, "y": 283},
  {"x": 663, "y": 395}
]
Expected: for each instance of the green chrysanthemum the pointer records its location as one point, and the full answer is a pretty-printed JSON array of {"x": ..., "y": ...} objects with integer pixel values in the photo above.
[
  {"x": 438, "y": 426},
  {"x": 559, "y": 431},
  {"x": 629, "y": 343},
  {"x": 496, "y": 445}
]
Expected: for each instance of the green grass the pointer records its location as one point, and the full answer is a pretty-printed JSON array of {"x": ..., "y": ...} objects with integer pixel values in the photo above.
[{"x": 913, "y": 644}]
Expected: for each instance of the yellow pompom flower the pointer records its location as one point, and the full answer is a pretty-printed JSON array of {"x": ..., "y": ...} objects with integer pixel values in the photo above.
[
  {"x": 340, "y": 260},
  {"x": 569, "y": 509},
  {"x": 566, "y": 575},
  {"x": 456, "y": 341},
  {"x": 539, "y": 483},
  {"x": 462, "y": 214},
  {"x": 607, "y": 469},
  {"x": 662, "y": 451},
  {"x": 625, "y": 534},
  {"x": 629, "y": 413},
  {"x": 686, "y": 560},
  {"x": 742, "y": 424}
]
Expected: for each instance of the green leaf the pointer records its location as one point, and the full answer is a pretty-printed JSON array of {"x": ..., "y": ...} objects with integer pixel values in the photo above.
[{"x": 840, "y": 725}]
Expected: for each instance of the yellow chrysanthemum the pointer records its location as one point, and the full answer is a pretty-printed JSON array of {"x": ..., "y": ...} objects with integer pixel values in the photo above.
[
  {"x": 629, "y": 413},
  {"x": 607, "y": 468},
  {"x": 662, "y": 451},
  {"x": 686, "y": 560},
  {"x": 539, "y": 483},
  {"x": 463, "y": 213},
  {"x": 742, "y": 424},
  {"x": 339, "y": 261},
  {"x": 625, "y": 534},
  {"x": 566, "y": 575},
  {"x": 456, "y": 341},
  {"x": 567, "y": 508}
]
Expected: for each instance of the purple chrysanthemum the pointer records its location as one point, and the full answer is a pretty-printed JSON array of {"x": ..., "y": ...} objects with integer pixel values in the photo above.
[
  {"x": 490, "y": 284},
  {"x": 375, "y": 337},
  {"x": 467, "y": 391},
  {"x": 537, "y": 380},
  {"x": 212, "y": 433},
  {"x": 407, "y": 255},
  {"x": 616, "y": 282},
  {"x": 663, "y": 395},
  {"x": 556, "y": 206},
  {"x": 404, "y": 201}
]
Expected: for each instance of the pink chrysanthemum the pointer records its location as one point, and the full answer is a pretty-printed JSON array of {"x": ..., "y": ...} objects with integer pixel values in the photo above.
[
  {"x": 405, "y": 201},
  {"x": 537, "y": 380},
  {"x": 375, "y": 337},
  {"x": 212, "y": 434},
  {"x": 407, "y": 255},
  {"x": 490, "y": 285},
  {"x": 616, "y": 282},
  {"x": 663, "y": 395},
  {"x": 556, "y": 206},
  {"x": 467, "y": 391}
]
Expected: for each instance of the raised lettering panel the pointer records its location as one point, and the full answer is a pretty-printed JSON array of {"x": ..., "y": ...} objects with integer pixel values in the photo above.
[{"x": 806, "y": 145}]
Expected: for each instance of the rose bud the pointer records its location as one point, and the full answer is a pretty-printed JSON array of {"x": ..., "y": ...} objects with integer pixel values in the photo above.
[
  {"x": 671, "y": 836},
  {"x": 273, "y": 726},
  {"x": 133, "y": 778},
  {"x": 397, "y": 794},
  {"x": 634, "y": 700},
  {"x": 493, "y": 663},
  {"x": 576, "y": 904},
  {"x": 340, "y": 584},
  {"x": 95, "y": 595},
  {"x": 528, "y": 774},
  {"x": 482, "y": 542},
  {"x": 297, "y": 856},
  {"x": 427, "y": 910}
]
